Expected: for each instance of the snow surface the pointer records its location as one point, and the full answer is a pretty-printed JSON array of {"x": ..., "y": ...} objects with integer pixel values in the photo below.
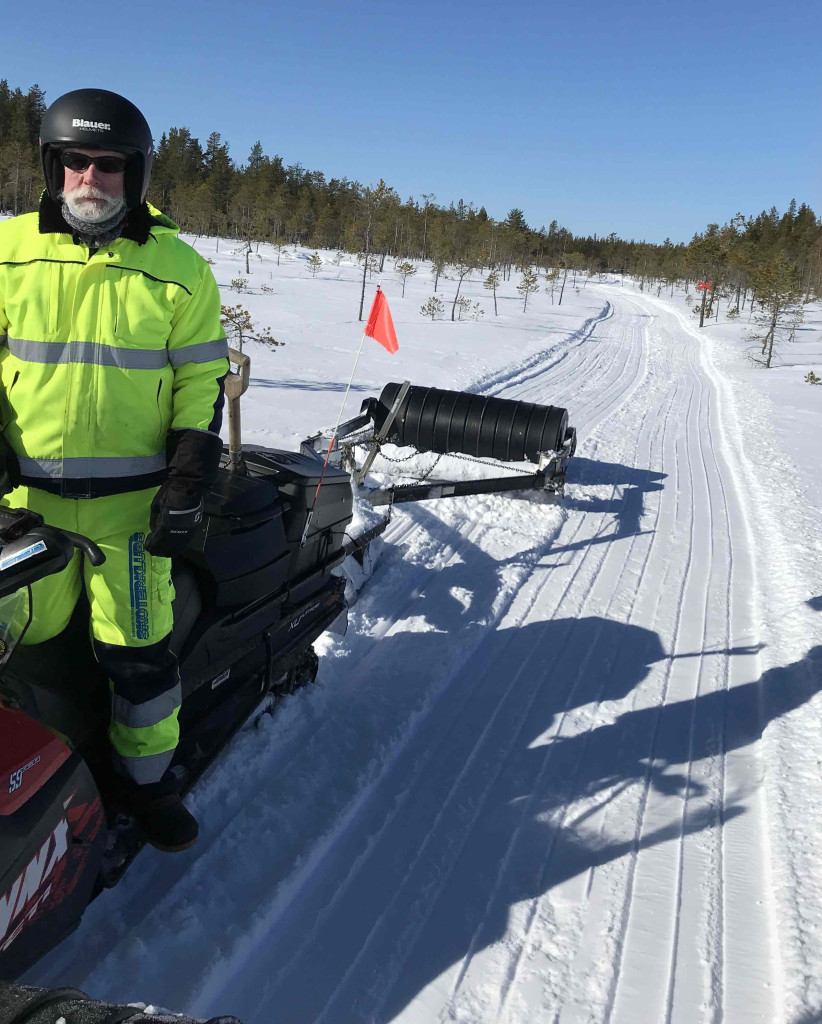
[{"x": 565, "y": 765}]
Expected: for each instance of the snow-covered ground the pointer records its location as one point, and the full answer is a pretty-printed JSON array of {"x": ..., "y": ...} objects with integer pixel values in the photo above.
[{"x": 565, "y": 765}]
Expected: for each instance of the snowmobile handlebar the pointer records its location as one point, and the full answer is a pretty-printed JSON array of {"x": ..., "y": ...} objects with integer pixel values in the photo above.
[
  {"x": 88, "y": 547},
  {"x": 31, "y": 550},
  {"x": 17, "y": 523}
]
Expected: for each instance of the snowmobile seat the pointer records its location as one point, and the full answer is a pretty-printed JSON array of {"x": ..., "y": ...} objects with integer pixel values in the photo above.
[
  {"x": 187, "y": 604},
  {"x": 59, "y": 682}
]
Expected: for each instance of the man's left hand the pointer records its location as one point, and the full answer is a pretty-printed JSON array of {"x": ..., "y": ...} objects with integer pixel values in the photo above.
[{"x": 176, "y": 512}]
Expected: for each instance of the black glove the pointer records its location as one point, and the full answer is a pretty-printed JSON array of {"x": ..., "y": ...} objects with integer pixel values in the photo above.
[
  {"x": 176, "y": 511},
  {"x": 193, "y": 457},
  {"x": 9, "y": 468}
]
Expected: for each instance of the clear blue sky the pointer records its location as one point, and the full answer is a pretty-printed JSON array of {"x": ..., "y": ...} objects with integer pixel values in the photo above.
[{"x": 644, "y": 118}]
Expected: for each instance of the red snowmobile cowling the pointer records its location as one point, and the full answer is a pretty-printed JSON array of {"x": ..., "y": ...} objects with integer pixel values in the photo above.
[
  {"x": 30, "y": 755},
  {"x": 52, "y": 836}
]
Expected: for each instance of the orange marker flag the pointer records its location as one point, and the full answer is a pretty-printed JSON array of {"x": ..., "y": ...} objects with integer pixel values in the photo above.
[{"x": 380, "y": 326}]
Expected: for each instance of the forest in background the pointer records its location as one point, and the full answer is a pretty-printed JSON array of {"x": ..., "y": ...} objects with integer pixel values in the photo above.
[{"x": 771, "y": 259}]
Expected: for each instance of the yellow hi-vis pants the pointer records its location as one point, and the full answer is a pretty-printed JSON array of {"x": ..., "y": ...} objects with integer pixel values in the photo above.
[{"x": 131, "y": 618}]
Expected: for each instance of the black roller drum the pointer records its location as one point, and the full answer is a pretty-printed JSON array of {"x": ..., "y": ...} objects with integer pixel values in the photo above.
[{"x": 433, "y": 420}]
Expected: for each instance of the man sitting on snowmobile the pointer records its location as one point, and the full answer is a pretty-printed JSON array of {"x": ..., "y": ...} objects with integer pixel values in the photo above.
[{"x": 112, "y": 363}]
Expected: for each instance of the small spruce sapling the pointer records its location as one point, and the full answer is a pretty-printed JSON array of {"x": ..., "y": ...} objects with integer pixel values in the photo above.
[{"x": 314, "y": 263}]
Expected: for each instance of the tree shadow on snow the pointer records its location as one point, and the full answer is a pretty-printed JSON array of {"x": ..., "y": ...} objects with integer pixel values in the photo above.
[
  {"x": 522, "y": 837},
  {"x": 489, "y": 803},
  {"x": 506, "y": 805}
]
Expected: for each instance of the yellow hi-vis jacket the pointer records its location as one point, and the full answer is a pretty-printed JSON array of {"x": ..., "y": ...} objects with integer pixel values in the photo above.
[{"x": 102, "y": 353}]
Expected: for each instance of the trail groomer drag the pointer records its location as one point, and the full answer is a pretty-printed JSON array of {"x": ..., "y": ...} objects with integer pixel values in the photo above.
[{"x": 112, "y": 363}]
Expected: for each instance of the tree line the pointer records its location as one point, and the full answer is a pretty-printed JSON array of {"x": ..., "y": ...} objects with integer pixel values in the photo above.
[{"x": 263, "y": 199}]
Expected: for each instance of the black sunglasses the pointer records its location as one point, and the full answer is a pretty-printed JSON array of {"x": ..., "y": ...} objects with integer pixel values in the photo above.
[{"x": 80, "y": 162}]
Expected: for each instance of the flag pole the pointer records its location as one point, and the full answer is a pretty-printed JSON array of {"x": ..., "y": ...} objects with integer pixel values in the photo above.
[
  {"x": 379, "y": 326},
  {"x": 334, "y": 435}
]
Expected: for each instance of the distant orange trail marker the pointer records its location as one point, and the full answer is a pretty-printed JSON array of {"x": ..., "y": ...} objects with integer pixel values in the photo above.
[{"x": 704, "y": 284}]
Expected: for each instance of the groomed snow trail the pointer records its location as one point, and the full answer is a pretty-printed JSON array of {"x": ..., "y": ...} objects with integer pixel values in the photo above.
[{"x": 529, "y": 787}]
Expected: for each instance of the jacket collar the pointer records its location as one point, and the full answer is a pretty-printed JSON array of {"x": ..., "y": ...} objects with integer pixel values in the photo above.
[{"x": 136, "y": 227}]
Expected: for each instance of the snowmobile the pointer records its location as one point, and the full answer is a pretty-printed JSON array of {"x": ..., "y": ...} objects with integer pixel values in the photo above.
[{"x": 258, "y": 584}]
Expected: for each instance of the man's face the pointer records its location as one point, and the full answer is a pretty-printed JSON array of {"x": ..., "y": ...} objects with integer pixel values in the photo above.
[{"x": 93, "y": 195}]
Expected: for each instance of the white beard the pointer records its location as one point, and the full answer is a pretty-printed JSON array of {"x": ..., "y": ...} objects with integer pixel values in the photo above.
[{"x": 93, "y": 205}]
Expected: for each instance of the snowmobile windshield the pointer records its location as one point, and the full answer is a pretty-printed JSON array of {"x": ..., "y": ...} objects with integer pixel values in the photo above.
[{"x": 15, "y": 615}]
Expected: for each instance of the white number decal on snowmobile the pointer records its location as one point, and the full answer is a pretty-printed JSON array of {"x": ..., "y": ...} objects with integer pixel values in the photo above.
[{"x": 16, "y": 778}]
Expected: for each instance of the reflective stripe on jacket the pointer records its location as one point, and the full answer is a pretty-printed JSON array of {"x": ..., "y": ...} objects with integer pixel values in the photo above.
[{"x": 101, "y": 355}]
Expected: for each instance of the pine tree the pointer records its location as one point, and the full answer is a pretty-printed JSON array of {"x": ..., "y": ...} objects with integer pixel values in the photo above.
[
  {"x": 491, "y": 283},
  {"x": 438, "y": 265},
  {"x": 779, "y": 292},
  {"x": 528, "y": 285},
  {"x": 433, "y": 307},
  {"x": 405, "y": 270},
  {"x": 239, "y": 326},
  {"x": 462, "y": 270},
  {"x": 551, "y": 280},
  {"x": 463, "y": 306},
  {"x": 314, "y": 263}
]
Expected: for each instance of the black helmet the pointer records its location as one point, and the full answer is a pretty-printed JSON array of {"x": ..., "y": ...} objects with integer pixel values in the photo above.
[{"x": 97, "y": 119}]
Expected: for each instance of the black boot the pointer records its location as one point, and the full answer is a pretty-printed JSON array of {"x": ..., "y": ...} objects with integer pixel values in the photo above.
[{"x": 162, "y": 816}]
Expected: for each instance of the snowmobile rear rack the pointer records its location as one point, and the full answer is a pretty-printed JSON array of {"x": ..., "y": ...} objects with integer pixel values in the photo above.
[
  {"x": 431, "y": 420},
  {"x": 452, "y": 422}
]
